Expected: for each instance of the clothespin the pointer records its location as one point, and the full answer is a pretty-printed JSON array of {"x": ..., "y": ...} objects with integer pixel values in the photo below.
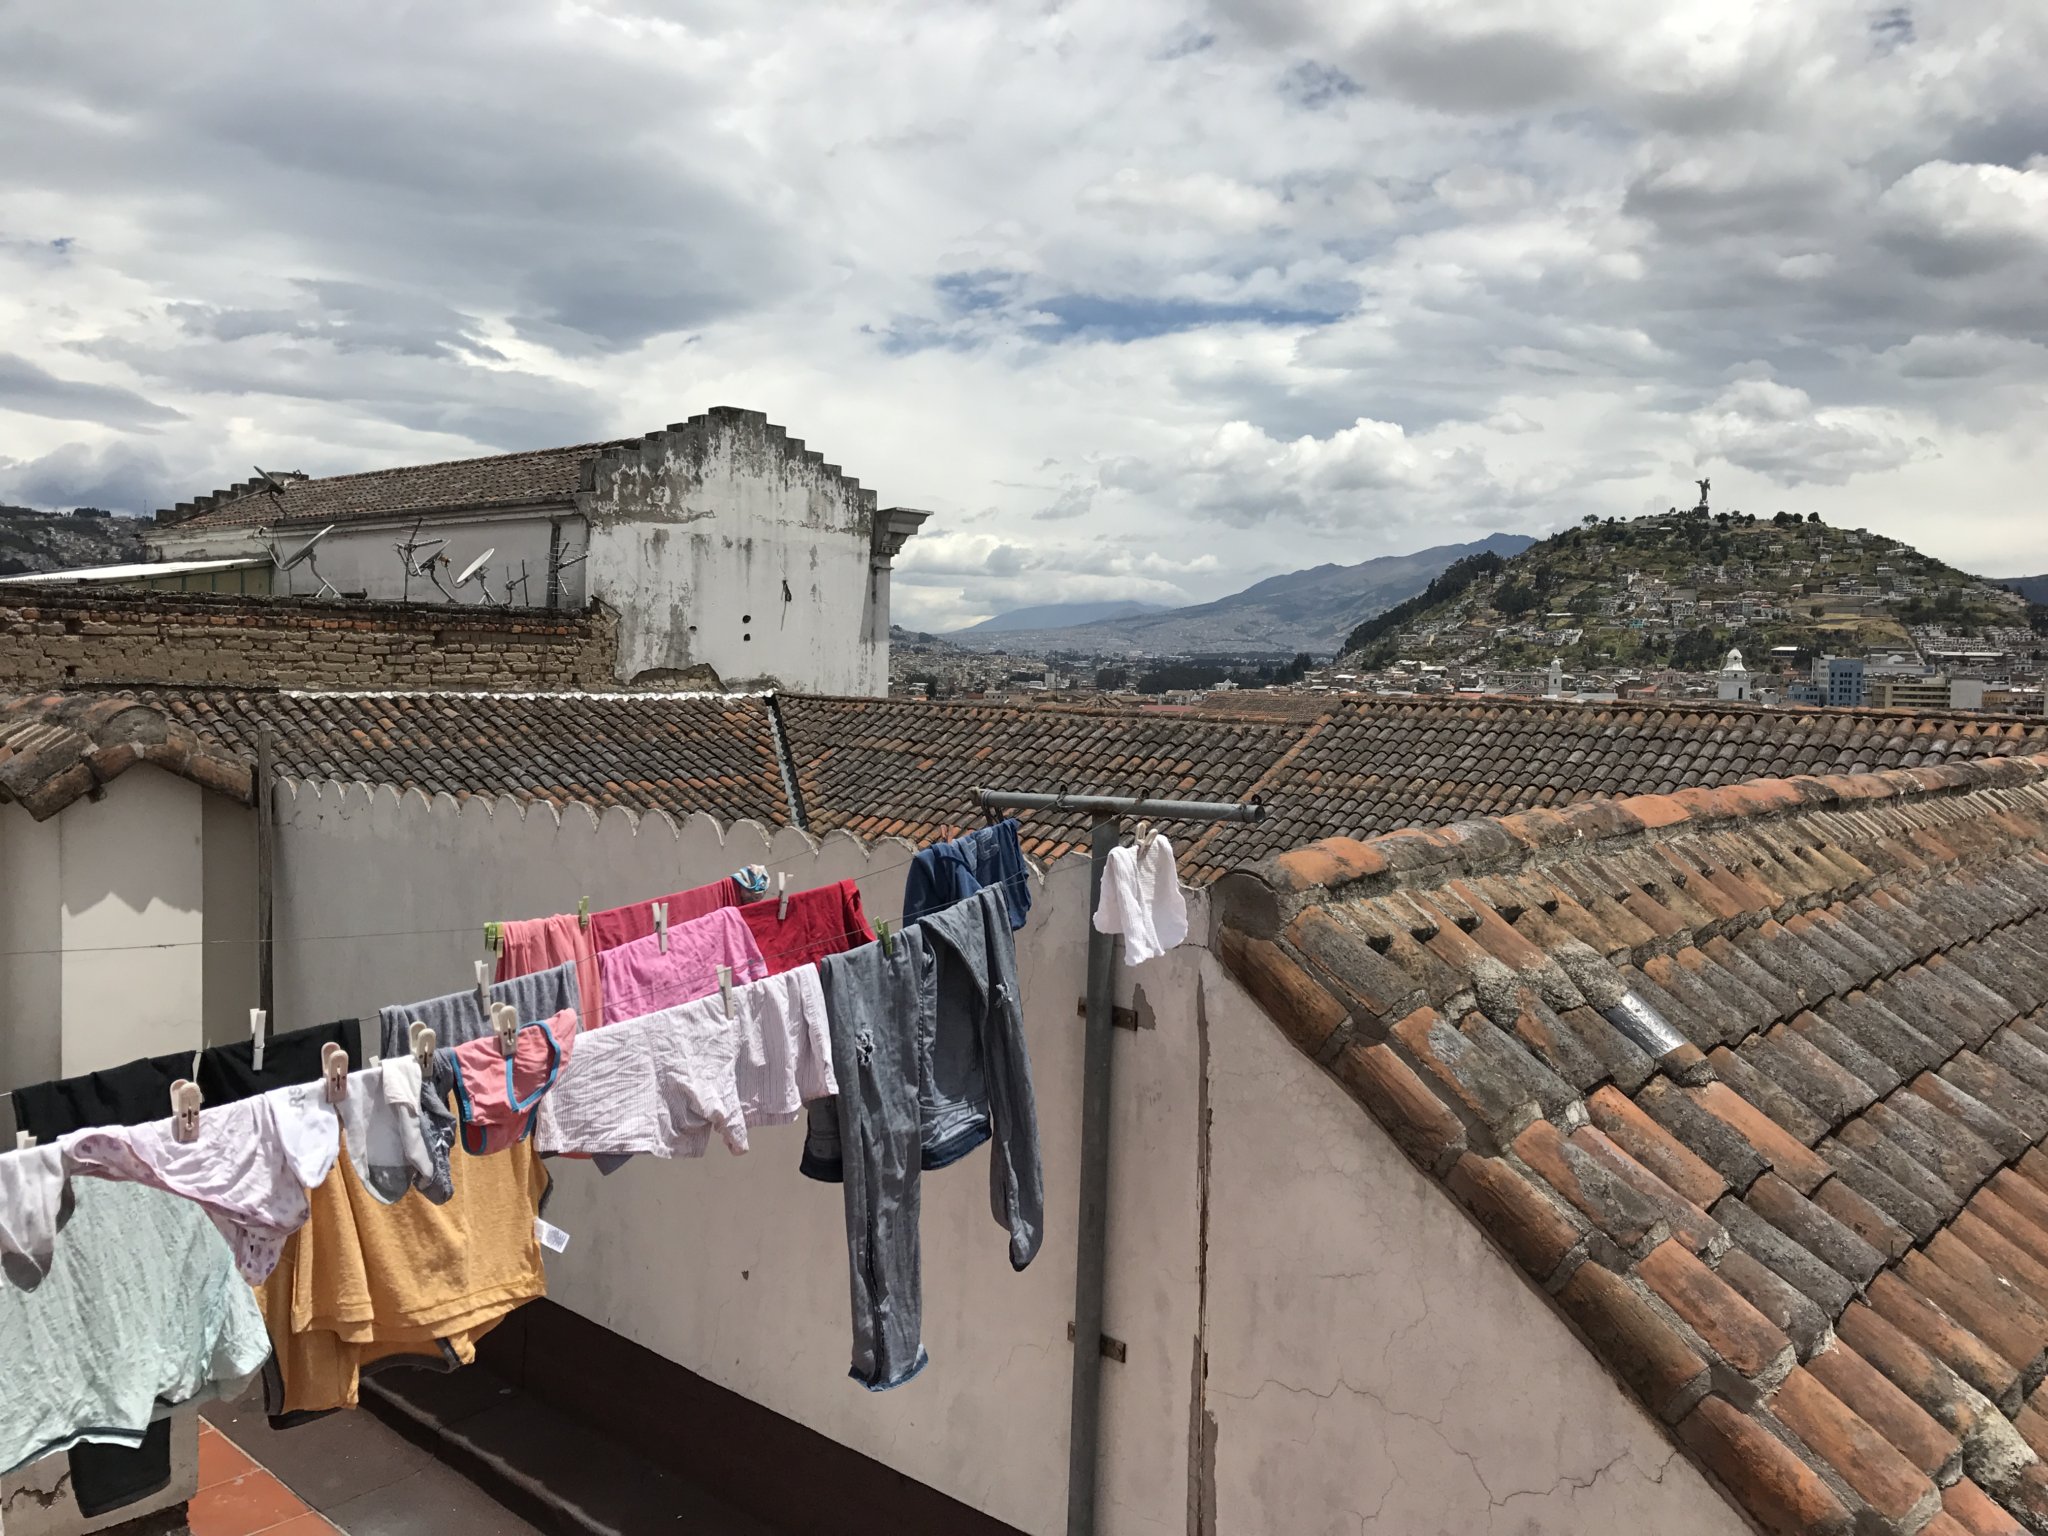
[
  {"x": 256, "y": 1038},
  {"x": 334, "y": 1071},
  {"x": 583, "y": 912},
  {"x": 661, "y": 925},
  {"x": 23, "y": 1140},
  {"x": 888, "y": 938},
  {"x": 483, "y": 988},
  {"x": 1145, "y": 834},
  {"x": 782, "y": 892},
  {"x": 494, "y": 938},
  {"x": 505, "y": 1025},
  {"x": 185, "y": 1097},
  {"x": 725, "y": 987},
  {"x": 421, "y": 1037}
]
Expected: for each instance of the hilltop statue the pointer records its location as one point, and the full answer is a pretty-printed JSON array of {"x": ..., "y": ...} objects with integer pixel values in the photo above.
[{"x": 1704, "y": 486}]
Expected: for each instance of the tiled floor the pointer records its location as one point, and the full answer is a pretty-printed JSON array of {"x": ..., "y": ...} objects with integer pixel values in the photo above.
[{"x": 348, "y": 1472}]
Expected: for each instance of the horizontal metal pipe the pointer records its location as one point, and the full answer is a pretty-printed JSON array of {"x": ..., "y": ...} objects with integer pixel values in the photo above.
[{"x": 1115, "y": 805}]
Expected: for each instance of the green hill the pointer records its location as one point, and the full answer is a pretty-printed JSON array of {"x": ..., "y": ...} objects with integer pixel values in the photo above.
[{"x": 1679, "y": 589}]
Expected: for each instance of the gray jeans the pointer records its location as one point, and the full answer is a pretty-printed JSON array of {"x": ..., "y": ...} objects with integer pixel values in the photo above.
[{"x": 877, "y": 1007}]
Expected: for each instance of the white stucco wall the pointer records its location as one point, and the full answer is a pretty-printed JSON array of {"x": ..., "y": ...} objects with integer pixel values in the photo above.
[
  {"x": 1375, "y": 1366},
  {"x": 1372, "y": 1364},
  {"x": 31, "y": 933},
  {"x": 695, "y": 538},
  {"x": 359, "y": 557}
]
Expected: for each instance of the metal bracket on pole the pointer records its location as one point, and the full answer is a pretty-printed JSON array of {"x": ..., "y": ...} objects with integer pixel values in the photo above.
[{"x": 1091, "y": 1228}]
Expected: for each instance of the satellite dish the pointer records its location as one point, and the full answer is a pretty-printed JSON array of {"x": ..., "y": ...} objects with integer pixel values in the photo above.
[
  {"x": 304, "y": 552},
  {"x": 469, "y": 571}
]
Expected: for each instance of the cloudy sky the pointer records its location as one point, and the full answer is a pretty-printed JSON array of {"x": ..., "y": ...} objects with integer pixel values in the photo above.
[{"x": 1144, "y": 298}]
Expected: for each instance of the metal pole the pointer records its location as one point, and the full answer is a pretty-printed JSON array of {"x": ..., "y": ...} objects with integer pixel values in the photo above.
[
  {"x": 266, "y": 768},
  {"x": 1091, "y": 1228}
]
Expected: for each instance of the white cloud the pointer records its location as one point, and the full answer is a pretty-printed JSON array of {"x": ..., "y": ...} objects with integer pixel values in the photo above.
[{"x": 1775, "y": 430}]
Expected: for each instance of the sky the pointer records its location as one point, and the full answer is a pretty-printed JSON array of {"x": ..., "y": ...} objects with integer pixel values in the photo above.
[{"x": 1141, "y": 298}]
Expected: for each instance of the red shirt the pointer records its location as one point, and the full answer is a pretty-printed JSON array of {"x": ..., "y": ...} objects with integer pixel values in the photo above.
[
  {"x": 822, "y": 921},
  {"x": 622, "y": 925}
]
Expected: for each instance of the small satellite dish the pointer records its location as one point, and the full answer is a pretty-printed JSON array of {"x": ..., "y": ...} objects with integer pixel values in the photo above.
[
  {"x": 469, "y": 571},
  {"x": 304, "y": 552}
]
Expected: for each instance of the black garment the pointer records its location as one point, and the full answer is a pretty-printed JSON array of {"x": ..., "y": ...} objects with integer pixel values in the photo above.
[
  {"x": 228, "y": 1072},
  {"x": 125, "y": 1095},
  {"x": 105, "y": 1477}
]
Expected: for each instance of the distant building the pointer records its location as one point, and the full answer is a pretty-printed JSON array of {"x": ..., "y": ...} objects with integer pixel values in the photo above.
[
  {"x": 1911, "y": 692},
  {"x": 1838, "y": 680},
  {"x": 1735, "y": 679}
]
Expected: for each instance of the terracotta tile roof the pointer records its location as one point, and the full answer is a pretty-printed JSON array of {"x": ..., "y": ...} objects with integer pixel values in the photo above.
[
  {"x": 1371, "y": 765},
  {"x": 56, "y": 748},
  {"x": 882, "y": 767},
  {"x": 647, "y": 752},
  {"x": 1752, "y": 1080},
  {"x": 548, "y": 475}
]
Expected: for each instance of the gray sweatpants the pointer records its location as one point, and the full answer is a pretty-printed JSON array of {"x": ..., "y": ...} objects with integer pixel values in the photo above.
[{"x": 878, "y": 1009}]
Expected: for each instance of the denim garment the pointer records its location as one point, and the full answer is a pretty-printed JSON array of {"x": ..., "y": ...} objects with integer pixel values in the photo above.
[{"x": 949, "y": 872}]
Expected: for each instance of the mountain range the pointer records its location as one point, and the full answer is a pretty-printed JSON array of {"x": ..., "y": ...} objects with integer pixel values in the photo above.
[
  {"x": 1311, "y": 610},
  {"x": 2033, "y": 588}
]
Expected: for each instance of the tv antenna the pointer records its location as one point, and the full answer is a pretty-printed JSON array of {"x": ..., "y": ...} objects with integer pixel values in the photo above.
[
  {"x": 474, "y": 571},
  {"x": 304, "y": 555},
  {"x": 519, "y": 581},
  {"x": 419, "y": 557}
]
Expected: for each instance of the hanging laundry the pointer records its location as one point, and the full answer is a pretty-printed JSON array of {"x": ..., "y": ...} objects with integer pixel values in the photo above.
[
  {"x": 642, "y": 976},
  {"x": 142, "y": 1303},
  {"x": 394, "y": 1138},
  {"x": 35, "y": 1203},
  {"x": 824, "y": 920},
  {"x": 130, "y": 1094},
  {"x": 229, "y": 1072},
  {"x": 665, "y": 1083},
  {"x": 622, "y": 925},
  {"x": 876, "y": 1005},
  {"x": 541, "y": 944},
  {"x": 497, "y": 1096},
  {"x": 952, "y": 871},
  {"x": 364, "y": 1282},
  {"x": 456, "y": 1017},
  {"x": 249, "y": 1167},
  {"x": 975, "y": 1073},
  {"x": 1141, "y": 899},
  {"x": 929, "y": 1049}
]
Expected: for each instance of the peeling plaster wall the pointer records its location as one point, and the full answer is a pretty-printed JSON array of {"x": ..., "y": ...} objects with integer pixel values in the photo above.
[
  {"x": 696, "y": 536},
  {"x": 1374, "y": 1365}
]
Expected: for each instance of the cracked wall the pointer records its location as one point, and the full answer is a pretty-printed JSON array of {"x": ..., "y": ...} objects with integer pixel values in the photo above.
[{"x": 1374, "y": 1366}]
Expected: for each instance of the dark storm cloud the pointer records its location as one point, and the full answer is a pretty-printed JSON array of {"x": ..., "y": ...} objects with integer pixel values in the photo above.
[{"x": 29, "y": 387}]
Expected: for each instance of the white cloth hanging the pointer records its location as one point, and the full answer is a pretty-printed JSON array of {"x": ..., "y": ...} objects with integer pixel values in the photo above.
[{"x": 1141, "y": 900}]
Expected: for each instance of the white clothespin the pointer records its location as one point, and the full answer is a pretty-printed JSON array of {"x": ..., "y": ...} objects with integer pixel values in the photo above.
[
  {"x": 422, "y": 1039},
  {"x": 1145, "y": 834},
  {"x": 661, "y": 924},
  {"x": 483, "y": 987},
  {"x": 23, "y": 1140},
  {"x": 505, "y": 1025},
  {"x": 256, "y": 1034},
  {"x": 185, "y": 1097},
  {"x": 782, "y": 891},
  {"x": 334, "y": 1071},
  {"x": 725, "y": 987}
]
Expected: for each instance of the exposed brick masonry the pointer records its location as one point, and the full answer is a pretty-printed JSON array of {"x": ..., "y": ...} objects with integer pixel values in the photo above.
[{"x": 57, "y": 638}]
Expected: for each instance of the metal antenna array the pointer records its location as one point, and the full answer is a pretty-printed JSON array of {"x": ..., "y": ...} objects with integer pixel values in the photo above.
[{"x": 419, "y": 557}]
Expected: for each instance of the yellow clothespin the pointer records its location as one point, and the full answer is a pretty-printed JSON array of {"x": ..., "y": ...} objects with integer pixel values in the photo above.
[
  {"x": 256, "y": 1038},
  {"x": 185, "y": 1099},
  {"x": 494, "y": 938},
  {"x": 334, "y": 1071},
  {"x": 661, "y": 925},
  {"x": 422, "y": 1039},
  {"x": 725, "y": 987},
  {"x": 505, "y": 1025},
  {"x": 583, "y": 912},
  {"x": 888, "y": 938}
]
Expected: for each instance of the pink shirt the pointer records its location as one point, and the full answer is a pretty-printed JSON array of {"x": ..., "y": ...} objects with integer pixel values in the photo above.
[
  {"x": 640, "y": 978},
  {"x": 542, "y": 943}
]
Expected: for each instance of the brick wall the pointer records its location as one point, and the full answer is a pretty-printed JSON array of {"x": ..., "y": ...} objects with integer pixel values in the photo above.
[{"x": 154, "y": 637}]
